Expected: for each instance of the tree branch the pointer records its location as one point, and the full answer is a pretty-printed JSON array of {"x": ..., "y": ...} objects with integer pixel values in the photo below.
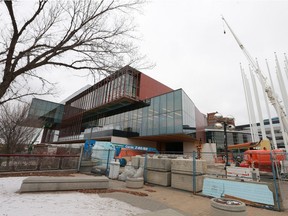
[{"x": 90, "y": 35}]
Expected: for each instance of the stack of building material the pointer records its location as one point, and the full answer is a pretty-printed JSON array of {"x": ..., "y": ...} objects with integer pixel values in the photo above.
[
  {"x": 136, "y": 163},
  {"x": 183, "y": 174},
  {"x": 49, "y": 183},
  {"x": 158, "y": 171}
]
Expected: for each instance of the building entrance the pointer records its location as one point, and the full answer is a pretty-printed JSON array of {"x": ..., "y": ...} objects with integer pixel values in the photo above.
[{"x": 174, "y": 148}]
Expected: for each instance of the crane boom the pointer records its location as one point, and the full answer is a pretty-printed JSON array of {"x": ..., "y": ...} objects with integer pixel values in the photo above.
[{"x": 269, "y": 91}]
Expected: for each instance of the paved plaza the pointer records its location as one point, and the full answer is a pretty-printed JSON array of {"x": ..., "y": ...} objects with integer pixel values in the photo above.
[
  {"x": 186, "y": 203},
  {"x": 158, "y": 200}
]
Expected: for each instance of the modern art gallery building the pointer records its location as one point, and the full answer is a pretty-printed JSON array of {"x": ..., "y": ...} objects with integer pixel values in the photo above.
[{"x": 127, "y": 107}]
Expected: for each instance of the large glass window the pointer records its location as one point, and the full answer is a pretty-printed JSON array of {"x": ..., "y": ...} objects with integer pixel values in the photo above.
[
  {"x": 166, "y": 113},
  {"x": 156, "y": 125},
  {"x": 150, "y": 109},
  {"x": 150, "y": 125},
  {"x": 189, "y": 119},
  {"x": 170, "y": 102},
  {"x": 145, "y": 112},
  {"x": 144, "y": 126},
  {"x": 46, "y": 109},
  {"x": 163, "y": 123},
  {"x": 156, "y": 103},
  {"x": 178, "y": 100},
  {"x": 170, "y": 123},
  {"x": 178, "y": 122},
  {"x": 163, "y": 105}
]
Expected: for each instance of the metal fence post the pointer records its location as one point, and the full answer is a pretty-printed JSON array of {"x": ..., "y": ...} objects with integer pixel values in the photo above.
[
  {"x": 107, "y": 165},
  {"x": 145, "y": 168},
  {"x": 194, "y": 171},
  {"x": 80, "y": 158},
  {"x": 275, "y": 182},
  {"x": 60, "y": 163},
  {"x": 39, "y": 161}
]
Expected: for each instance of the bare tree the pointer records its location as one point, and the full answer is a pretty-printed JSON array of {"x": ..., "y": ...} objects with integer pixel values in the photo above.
[
  {"x": 14, "y": 134},
  {"x": 92, "y": 35}
]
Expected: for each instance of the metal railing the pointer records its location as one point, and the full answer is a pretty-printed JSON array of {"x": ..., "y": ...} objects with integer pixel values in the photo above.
[
  {"x": 35, "y": 162},
  {"x": 249, "y": 171}
]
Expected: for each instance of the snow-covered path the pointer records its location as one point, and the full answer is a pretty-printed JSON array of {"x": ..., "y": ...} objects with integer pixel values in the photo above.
[{"x": 57, "y": 203}]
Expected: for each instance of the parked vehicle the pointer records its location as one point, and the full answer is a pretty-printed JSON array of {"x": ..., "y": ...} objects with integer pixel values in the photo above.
[{"x": 263, "y": 159}]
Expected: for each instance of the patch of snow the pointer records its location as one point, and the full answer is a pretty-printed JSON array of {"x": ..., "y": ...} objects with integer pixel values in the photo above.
[{"x": 57, "y": 203}]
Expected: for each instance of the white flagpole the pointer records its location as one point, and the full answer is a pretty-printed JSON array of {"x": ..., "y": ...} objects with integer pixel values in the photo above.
[
  {"x": 269, "y": 113},
  {"x": 281, "y": 84},
  {"x": 278, "y": 111},
  {"x": 248, "y": 105},
  {"x": 252, "y": 110},
  {"x": 259, "y": 110},
  {"x": 269, "y": 92},
  {"x": 286, "y": 65}
]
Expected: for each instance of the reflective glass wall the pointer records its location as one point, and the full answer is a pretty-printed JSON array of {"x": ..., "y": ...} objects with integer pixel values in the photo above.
[
  {"x": 189, "y": 115},
  {"x": 123, "y": 83},
  {"x": 46, "y": 110},
  {"x": 166, "y": 114}
]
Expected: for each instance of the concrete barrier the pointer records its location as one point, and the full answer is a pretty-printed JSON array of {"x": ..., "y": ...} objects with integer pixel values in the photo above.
[
  {"x": 159, "y": 178},
  {"x": 161, "y": 164},
  {"x": 185, "y": 182},
  {"x": 185, "y": 166},
  {"x": 46, "y": 183},
  {"x": 135, "y": 182},
  {"x": 142, "y": 162},
  {"x": 135, "y": 162}
]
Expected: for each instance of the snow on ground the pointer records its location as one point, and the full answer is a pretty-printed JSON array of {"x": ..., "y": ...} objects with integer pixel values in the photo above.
[{"x": 13, "y": 203}]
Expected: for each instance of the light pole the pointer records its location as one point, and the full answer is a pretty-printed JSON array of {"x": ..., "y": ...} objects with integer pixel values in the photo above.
[{"x": 225, "y": 123}]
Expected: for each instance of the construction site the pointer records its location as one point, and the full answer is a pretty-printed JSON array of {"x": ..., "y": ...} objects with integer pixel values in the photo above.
[{"x": 130, "y": 145}]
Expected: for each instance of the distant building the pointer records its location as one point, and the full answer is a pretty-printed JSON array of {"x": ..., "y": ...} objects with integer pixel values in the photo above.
[
  {"x": 276, "y": 127},
  {"x": 213, "y": 135}
]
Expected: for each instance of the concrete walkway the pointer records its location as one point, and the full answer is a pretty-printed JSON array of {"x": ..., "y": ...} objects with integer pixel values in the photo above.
[
  {"x": 169, "y": 200},
  {"x": 138, "y": 201},
  {"x": 164, "y": 212}
]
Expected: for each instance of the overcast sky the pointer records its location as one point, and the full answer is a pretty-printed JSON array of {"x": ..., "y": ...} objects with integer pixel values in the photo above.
[{"x": 186, "y": 41}]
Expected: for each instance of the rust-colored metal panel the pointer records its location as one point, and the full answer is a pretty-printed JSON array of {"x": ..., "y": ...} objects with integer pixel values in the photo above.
[{"x": 151, "y": 88}]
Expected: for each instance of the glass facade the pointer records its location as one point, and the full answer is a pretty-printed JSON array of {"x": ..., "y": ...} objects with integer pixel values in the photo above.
[
  {"x": 114, "y": 104},
  {"x": 166, "y": 114},
  {"x": 189, "y": 114},
  {"x": 114, "y": 92},
  {"x": 46, "y": 110}
]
